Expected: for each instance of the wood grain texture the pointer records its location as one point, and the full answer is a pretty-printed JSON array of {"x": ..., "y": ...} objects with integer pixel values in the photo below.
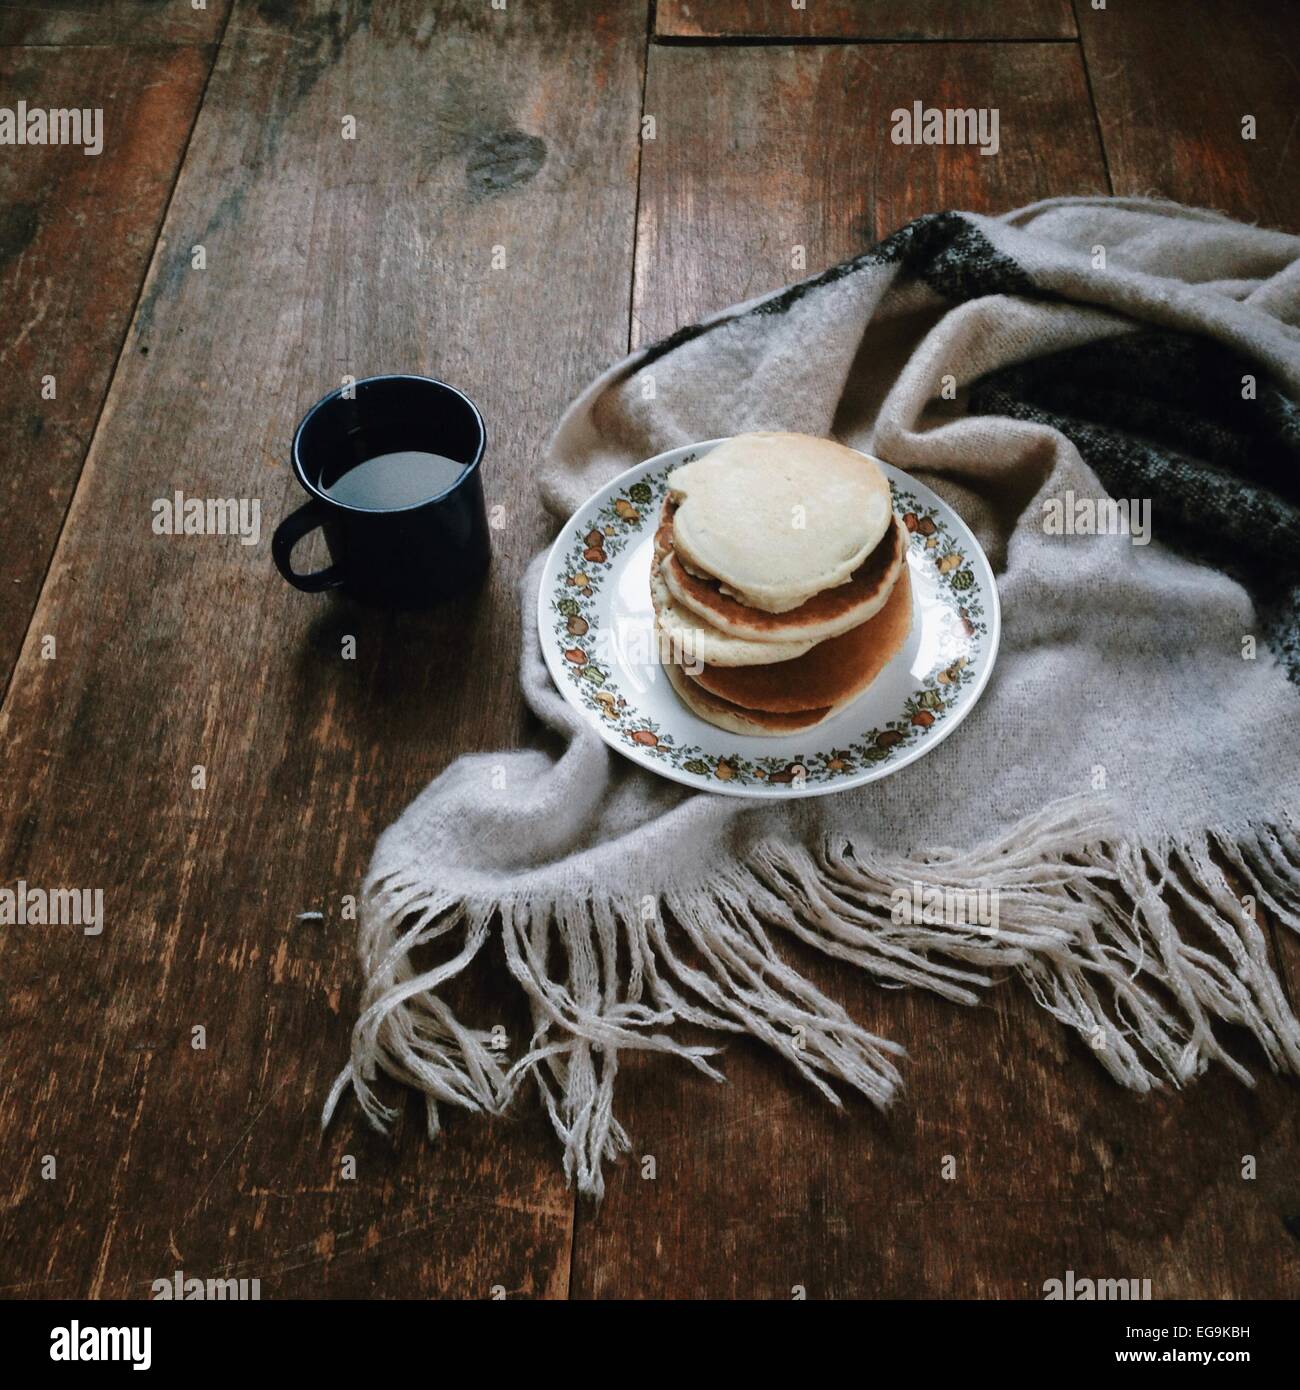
[
  {"x": 475, "y": 130},
  {"x": 740, "y": 173},
  {"x": 760, "y": 1188},
  {"x": 1173, "y": 80},
  {"x": 864, "y": 19},
  {"x": 324, "y": 257},
  {"x": 129, "y": 23},
  {"x": 76, "y": 235}
]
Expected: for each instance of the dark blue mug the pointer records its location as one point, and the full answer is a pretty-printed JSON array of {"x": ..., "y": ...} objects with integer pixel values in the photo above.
[{"x": 391, "y": 464}]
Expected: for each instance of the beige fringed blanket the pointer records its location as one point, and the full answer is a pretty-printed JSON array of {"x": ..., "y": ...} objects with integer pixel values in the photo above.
[{"x": 1139, "y": 736}]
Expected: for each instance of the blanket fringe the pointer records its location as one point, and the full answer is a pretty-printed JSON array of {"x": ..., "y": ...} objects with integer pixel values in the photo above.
[{"x": 1084, "y": 916}]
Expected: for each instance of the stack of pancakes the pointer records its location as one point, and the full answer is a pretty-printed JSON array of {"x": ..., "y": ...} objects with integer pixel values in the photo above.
[{"x": 779, "y": 581}]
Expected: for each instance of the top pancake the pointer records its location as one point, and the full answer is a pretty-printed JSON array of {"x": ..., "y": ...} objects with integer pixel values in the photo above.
[
  {"x": 778, "y": 518},
  {"x": 827, "y": 614}
]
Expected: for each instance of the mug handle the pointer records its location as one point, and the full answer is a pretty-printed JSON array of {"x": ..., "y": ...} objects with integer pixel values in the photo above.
[{"x": 287, "y": 534}]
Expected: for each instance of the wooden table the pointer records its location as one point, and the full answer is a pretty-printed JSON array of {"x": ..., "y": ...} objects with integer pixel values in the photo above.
[{"x": 130, "y": 659}]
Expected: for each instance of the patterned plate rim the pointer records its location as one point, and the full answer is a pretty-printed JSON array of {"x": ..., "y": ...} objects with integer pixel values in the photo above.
[{"x": 585, "y": 555}]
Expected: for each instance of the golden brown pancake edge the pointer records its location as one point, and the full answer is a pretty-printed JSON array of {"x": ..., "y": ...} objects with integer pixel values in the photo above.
[{"x": 831, "y": 674}]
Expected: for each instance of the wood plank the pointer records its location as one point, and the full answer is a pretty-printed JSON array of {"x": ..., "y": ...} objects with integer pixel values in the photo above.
[
  {"x": 728, "y": 217},
  {"x": 131, "y": 23},
  {"x": 1173, "y": 80},
  {"x": 760, "y": 1187},
  {"x": 864, "y": 19},
  {"x": 324, "y": 257},
  {"x": 76, "y": 234}
]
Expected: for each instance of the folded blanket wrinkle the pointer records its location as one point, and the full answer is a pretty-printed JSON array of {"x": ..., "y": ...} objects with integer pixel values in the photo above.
[{"x": 1124, "y": 802}]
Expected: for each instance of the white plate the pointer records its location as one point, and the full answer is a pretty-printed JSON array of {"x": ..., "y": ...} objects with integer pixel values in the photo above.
[{"x": 598, "y": 636}]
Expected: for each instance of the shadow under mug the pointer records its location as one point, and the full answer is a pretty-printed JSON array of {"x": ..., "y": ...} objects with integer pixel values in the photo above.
[{"x": 394, "y": 557}]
